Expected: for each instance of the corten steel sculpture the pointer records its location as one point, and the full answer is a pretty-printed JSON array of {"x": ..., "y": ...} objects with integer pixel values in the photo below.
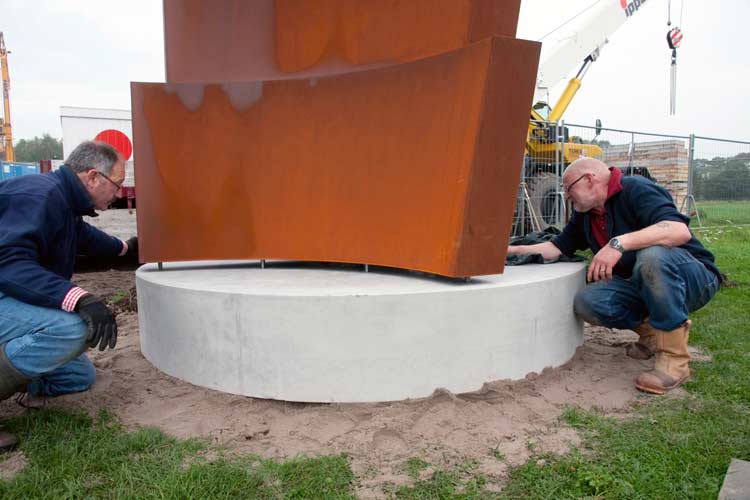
[
  {"x": 412, "y": 165},
  {"x": 248, "y": 40}
]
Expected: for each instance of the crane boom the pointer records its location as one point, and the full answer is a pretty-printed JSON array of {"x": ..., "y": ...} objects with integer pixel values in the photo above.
[
  {"x": 579, "y": 43},
  {"x": 6, "y": 133}
]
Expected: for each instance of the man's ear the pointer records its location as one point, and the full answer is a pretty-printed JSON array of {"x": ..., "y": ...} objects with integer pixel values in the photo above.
[{"x": 91, "y": 176}]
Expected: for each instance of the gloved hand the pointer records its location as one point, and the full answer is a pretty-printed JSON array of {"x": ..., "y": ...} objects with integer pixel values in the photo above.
[
  {"x": 132, "y": 246},
  {"x": 100, "y": 320}
]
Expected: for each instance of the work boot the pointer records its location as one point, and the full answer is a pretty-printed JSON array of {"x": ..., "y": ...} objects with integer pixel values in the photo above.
[
  {"x": 645, "y": 347},
  {"x": 11, "y": 381},
  {"x": 672, "y": 357}
]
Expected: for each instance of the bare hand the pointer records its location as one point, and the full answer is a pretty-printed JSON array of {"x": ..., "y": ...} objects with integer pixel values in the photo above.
[{"x": 603, "y": 263}]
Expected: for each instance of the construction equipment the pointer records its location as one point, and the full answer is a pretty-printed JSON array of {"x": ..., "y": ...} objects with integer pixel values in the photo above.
[
  {"x": 548, "y": 146},
  {"x": 6, "y": 134}
]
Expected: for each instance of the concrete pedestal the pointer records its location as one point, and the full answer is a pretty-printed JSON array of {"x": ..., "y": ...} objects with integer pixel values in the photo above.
[{"x": 325, "y": 333}]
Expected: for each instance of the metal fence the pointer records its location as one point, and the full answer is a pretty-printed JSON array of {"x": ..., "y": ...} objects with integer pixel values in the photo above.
[{"x": 708, "y": 178}]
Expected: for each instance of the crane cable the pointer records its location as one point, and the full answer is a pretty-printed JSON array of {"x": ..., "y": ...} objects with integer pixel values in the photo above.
[
  {"x": 674, "y": 38},
  {"x": 579, "y": 14}
]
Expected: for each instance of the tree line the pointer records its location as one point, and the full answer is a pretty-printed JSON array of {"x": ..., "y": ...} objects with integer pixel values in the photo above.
[
  {"x": 45, "y": 147},
  {"x": 722, "y": 178}
]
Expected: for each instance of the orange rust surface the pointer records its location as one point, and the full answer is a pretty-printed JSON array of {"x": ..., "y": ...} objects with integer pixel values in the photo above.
[
  {"x": 241, "y": 40},
  {"x": 413, "y": 165}
]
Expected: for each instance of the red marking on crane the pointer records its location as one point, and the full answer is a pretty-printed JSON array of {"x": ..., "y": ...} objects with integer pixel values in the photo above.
[
  {"x": 675, "y": 37},
  {"x": 118, "y": 140}
]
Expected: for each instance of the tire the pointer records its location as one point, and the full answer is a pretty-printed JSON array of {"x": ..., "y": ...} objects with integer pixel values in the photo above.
[{"x": 544, "y": 189}]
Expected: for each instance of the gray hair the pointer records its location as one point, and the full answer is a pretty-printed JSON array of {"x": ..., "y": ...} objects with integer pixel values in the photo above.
[{"x": 93, "y": 154}]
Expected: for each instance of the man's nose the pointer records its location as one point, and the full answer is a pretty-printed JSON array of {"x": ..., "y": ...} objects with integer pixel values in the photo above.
[{"x": 118, "y": 193}]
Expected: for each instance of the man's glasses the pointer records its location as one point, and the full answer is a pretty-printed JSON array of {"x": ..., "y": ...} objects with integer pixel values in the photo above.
[
  {"x": 570, "y": 186},
  {"x": 118, "y": 186}
]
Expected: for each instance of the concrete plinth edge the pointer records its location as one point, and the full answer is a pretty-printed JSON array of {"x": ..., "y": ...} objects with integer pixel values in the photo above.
[{"x": 322, "y": 333}]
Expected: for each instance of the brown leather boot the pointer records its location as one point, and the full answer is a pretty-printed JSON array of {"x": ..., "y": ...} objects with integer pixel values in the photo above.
[
  {"x": 672, "y": 357},
  {"x": 646, "y": 345},
  {"x": 11, "y": 381}
]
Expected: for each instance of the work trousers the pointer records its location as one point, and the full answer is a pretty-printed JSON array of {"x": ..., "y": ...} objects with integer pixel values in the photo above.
[
  {"x": 666, "y": 284},
  {"x": 47, "y": 346}
]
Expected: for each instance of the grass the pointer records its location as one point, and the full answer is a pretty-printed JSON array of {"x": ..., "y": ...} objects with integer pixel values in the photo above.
[
  {"x": 671, "y": 448},
  {"x": 71, "y": 456},
  {"x": 722, "y": 213}
]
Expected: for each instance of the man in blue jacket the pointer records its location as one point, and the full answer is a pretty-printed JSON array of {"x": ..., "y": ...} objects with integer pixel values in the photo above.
[
  {"x": 648, "y": 270},
  {"x": 46, "y": 321}
]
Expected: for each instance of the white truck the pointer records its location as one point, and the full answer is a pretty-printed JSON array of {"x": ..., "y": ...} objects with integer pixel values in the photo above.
[{"x": 109, "y": 125}]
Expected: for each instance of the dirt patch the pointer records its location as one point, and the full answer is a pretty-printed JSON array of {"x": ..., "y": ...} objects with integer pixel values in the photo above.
[
  {"x": 498, "y": 426},
  {"x": 11, "y": 464}
]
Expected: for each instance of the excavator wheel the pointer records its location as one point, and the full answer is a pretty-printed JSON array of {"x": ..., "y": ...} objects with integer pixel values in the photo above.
[{"x": 544, "y": 193}]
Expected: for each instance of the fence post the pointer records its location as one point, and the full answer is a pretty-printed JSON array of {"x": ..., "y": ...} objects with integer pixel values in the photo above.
[
  {"x": 559, "y": 161},
  {"x": 631, "y": 152},
  {"x": 691, "y": 166},
  {"x": 690, "y": 198}
]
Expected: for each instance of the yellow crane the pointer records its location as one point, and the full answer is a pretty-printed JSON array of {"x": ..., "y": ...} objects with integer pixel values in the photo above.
[{"x": 6, "y": 134}]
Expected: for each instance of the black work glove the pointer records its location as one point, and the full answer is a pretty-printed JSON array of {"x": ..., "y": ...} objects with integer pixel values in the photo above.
[
  {"x": 100, "y": 320},
  {"x": 132, "y": 246}
]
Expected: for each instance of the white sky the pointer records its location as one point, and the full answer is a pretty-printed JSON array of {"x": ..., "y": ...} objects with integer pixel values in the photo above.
[{"x": 85, "y": 53}]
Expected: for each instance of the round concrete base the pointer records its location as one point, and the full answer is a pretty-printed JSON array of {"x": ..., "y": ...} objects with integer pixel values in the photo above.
[{"x": 324, "y": 333}]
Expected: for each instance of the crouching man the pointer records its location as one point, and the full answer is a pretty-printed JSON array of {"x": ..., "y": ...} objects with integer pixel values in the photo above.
[
  {"x": 648, "y": 270},
  {"x": 47, "y": 322}
]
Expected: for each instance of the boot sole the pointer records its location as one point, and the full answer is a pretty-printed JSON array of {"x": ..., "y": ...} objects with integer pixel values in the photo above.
[{"x": 660, "y": 391}]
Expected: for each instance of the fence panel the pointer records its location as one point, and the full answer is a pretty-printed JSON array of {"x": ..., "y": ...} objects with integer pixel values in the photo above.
[
  {"x": 540, "y": 203},
  {"x": 720, "y": 181}
]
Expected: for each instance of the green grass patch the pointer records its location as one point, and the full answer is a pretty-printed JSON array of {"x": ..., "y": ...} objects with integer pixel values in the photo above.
[
  {"x": 721, "y": 213},
  {"x": 414, "y": 466},
  {"x": 71, "y": 456}
]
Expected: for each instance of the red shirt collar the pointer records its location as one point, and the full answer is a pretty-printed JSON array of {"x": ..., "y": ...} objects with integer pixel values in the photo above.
[{"x": 614, "y": 187}]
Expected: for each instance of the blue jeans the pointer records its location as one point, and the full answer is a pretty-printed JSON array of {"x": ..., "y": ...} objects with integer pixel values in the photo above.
[
  {"x": 47, "y": 346},
  {"x": 667, "y": 284}
]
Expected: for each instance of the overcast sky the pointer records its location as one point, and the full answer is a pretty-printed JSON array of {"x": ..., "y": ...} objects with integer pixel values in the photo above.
[{"x": 85, "y": 53}]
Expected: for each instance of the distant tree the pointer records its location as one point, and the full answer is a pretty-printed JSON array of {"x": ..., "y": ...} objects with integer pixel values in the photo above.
[
  {"x": 722, "y": 178},
  {"x": 45, "y": 147}
]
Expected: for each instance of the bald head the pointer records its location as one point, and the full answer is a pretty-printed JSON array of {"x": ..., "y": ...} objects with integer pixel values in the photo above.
[
  {"x": 587, "y": 166},
  {"x": 586, "y": 181}
]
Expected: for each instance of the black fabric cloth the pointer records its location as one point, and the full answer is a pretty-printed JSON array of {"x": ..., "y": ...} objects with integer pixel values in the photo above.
[{"x": 536, "y": 258}]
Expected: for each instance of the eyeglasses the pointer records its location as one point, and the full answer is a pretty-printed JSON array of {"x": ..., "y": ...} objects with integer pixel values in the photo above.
[
  {"x": 118, "y": 186},
  {"x": 570, "y": 186}
]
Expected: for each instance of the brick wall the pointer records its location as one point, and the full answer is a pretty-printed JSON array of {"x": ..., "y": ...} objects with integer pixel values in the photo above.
[{"x": 666, "y": 160}]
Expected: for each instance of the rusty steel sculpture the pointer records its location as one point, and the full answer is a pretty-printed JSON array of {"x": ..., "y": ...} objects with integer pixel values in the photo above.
[{"x": 365, "y": 131}]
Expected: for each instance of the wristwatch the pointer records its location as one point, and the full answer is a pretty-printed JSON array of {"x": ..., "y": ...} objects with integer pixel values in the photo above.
[{"x": 615, "y": 243}]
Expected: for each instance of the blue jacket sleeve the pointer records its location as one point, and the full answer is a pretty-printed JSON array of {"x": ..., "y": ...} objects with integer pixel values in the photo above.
[
  {"x": 572, "y": 237},
  {"x": 94, "y": 241},
  {"x": 22, "y": 243}
]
